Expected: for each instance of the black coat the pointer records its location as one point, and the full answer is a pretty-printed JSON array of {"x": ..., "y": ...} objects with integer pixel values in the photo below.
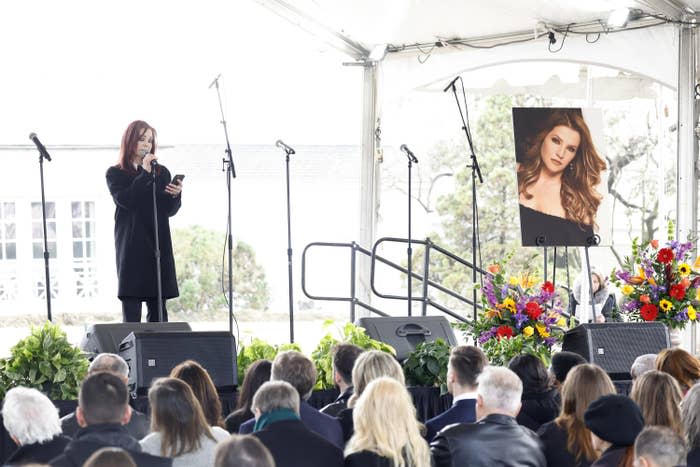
[
  {"x": 341, "y": 403},
  {"x": 539, "y": 408},
  {"x": 134, "y": 237},
  {"x": 93, "y": 437},
  {"x": 38, "y": 453},
  {"x": 367, "y": 459},
  {"x": 138, "y": 426},
  {"x": 554, "y": 439},
  {"x": 293, "y": 445},
  {"x": 494, "y": 440}
]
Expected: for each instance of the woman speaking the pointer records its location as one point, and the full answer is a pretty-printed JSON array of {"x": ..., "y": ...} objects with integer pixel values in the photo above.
[{"x": 131, "y": 184}]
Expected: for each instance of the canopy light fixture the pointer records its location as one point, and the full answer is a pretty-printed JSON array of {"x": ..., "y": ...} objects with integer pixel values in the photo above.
[{"x": 378, "y": 53}]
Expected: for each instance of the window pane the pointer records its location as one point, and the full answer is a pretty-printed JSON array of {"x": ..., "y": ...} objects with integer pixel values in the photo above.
[
  {"x": 77, "y": 209},
  {"x": 51, "y": 210},
  {"x": 51, "y": 230},
  {"x": 89, "y": 229},
  {"x": 9, "y": 210},
  {"x": 90, "y": 209},
  {"x": 10, "y": 231},
  {"x": 36, "y": 210},
  {"x": 52, "y": 249},
  {"x": 90, "y": 249},
  {"x": 11, "y": 248},
  {"x": 37, "y": 250},
  {"x": 37, "y": 231},
  {"x": 77, "y": 230},
  {"x": 77, "y": 249}
]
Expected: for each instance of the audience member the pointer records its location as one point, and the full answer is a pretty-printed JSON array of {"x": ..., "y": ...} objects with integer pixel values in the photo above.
[
  {"x": 642, "y": 364},
  {"x": 614, "y": 421},
  {"x": 103, "y": 410},
  {"x": 659, "y": 397},
  {"x": 204, "y": 390},
  {"x": 369, "y": 366},
  {"x": 540, "y": 400},
  {"x": 31, "y": 420},
  {"x": 387, "y": 433},
  {"x": 496, "y": 438},
  {"x": 257, "y": 373},
  {"x": 562, "y": 363},
  {"x": 344, "y": 356},
  {"x": 567, "y": 441},
  {"x": 138, "y": 423},
  {"x": 464, "y": 367},
  {"x": 659, "y": 446},
  {"x": 690, "y": 414},
  {"x": 299, "y": 371},
  {"x": 279, "y": 427},
  {"x": 603, "y": 300},
  {"x": 243, "y": 451},
  {"x": 179, "y": 429},
  {"x": 681, "y": 365},
  {"x": 110, "y": 457}
]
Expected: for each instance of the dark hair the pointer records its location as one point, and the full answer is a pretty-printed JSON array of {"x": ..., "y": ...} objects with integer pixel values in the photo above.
[
  {"x": 177, "y": 415},
  {"x": 130, "y": 140},
  {"x": 110, "y": 457},
  {"x": 243, "y": 451},
  {"x": 467, "y": 363},
  {"x": 203, "y": 387},
  {"x": 344, "y": 356},
  {"x": 296, "y": 369},
  {"x": 257, "y": 373},
  {"x": 103, "y": 398},
  {"x": 563, "y": 362},
  {"x": 531, "y": 372}
]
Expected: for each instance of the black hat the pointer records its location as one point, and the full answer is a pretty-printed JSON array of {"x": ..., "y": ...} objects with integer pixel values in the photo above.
[
  {"x": 563, "y": 362},
  {"x": 615, "y": 419}
]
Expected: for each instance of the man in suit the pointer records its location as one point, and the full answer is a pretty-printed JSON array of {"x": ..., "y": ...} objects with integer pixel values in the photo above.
[
  {"x": 496, "y": 438},
  {"x": 298, "y": 370},
  {"x": 103, "y": 411},
  {"x": 465, "y": 365},
  {"x": 279, "y": 427},
  {"x": 344, "y": 356}
]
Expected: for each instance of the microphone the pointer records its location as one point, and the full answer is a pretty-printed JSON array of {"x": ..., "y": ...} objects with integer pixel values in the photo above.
[
  {"x": 42, "y": 150},
  {"x": 411, "y": 157},
  {"x": 215, "y": 81},
  {"x": 452, "y": 83},
  {"x": 287, "y": 149}
]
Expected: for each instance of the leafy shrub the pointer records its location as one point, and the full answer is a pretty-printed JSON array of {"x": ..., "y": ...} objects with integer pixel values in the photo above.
[
  {"x": 259, "y": 349},
  {"x": 427, "y": 365}
]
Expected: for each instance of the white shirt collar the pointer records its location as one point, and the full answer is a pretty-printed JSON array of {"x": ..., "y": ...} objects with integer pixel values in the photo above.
[{"x": 463, "y": 396}]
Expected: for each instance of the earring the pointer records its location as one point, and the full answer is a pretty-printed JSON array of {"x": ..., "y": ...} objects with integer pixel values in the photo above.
[{"x": 570, "y": 167}]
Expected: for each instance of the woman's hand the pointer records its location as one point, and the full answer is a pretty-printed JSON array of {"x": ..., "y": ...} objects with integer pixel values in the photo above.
[
  {"x": 600, "y": 319},
  {"x": 174, "y": 189},
  {"x": 146, "y": 163}
]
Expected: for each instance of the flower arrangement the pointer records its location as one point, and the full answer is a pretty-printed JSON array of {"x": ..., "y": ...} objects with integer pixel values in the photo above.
[
  {"x": 521, "y": 315},
  {"x": 659, "y": 284}
]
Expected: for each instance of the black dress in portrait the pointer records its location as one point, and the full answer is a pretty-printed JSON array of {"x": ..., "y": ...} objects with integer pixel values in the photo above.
[{"x": 540, "y": 229}]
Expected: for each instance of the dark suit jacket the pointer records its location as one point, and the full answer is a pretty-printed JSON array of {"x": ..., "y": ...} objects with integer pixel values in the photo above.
[
  {"x": 494, "y": 440},
  {"x": 292, "y": 444},
  {"x": 367, "y": 459},
  {"x": 138, "y": 426},
  {"x": 694, "y": 458},
  {"x": 341, "y": 403},
  {"x": 39, "y": 453},
  {"x": 462, "y": 411},
  {"x": 325, "y": 426}
]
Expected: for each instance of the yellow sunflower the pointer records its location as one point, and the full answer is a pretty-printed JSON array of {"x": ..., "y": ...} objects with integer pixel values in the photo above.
[
  {"x": 684, "y": 269},
  {"x": 665, "y": 305}
]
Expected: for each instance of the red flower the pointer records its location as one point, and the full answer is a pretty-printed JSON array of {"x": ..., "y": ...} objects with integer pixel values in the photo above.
[
  {"x": 533, "y": 310},
  {"x": 649, "y": 312},
  {"x": 548, "y": 287},
  {"x": 665, "y": 255},
  {"x": 677, "y": 292},
  {"x": 504, "y": 331}
]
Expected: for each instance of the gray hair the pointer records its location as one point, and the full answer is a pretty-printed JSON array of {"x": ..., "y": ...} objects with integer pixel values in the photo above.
[
  {"x": 500, "y": 389},
  {"x": 274, "y": 395},
  {"x": 661, "y": 445},
  {"x": 30, "y": 416},
  {"x": 109, "y": 362},
  {"x": 642, "y": 364},
  {"x": 690, "y": 415}
]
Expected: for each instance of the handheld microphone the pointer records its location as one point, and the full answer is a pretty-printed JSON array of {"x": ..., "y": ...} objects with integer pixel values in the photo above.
[
  {"x": 42, "y": 150},
  {"x": 287, "y": 149},
  {"x": 409, "y": 153},
  {"x": 452, "y": 83},
  {"x": 216, "y": 80}
]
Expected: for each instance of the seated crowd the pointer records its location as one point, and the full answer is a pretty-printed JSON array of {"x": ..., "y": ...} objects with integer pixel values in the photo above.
[{"x": 523, "y": 415}]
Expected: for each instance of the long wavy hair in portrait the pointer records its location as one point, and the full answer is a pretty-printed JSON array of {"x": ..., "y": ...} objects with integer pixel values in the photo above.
[
  {"x": 579, "y": 197},
  {"x": 130, "y": 139}
]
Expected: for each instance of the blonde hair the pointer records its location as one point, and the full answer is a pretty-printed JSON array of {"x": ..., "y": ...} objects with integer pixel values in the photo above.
[
  {"x": 385, "y": 423},
  {"x": 370, "y": 366},
  {"x": 690, "y": 413},
  {"x": 659, "y": 396}
]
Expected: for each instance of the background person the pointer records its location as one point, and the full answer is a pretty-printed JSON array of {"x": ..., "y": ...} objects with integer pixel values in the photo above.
[
  {"x": 562, "y": 363},
  {"x": 197, "y": 377},
  {"x": 690, "y": 414},
  {"x": 658, "y": 446},
  {"x": 659, "y": 397},
  {"x": 604, "y": 301},
  {"x": 243, "y": 451},
  {"x": 256, "y": 374},
  {"x": 614, "y": 421},
  {"x": 540, "y": 399},
  {"x": 344, "y": 356},
  {"x": 110, "y": 457},
  {"x": 680, "y": 364}
]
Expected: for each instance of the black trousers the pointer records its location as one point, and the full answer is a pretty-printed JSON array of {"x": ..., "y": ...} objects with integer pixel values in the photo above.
[{"x": 131, "y": 310}]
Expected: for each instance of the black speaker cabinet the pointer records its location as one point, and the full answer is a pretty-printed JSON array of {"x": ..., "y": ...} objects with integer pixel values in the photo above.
[
  {"x": 614, "y": 346},
  {"x": 404, "y": 333},
  {"x": 106, "y": 337},
  {"x": 153, "y": 355}
]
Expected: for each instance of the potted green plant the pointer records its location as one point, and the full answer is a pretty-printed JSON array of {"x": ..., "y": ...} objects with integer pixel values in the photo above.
[
  {"x": 427, "y": 365},
  {"x": 259, "y": 349},
  {"x": 46, "y": 361}
]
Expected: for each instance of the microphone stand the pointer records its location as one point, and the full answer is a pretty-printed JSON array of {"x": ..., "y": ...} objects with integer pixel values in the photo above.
[
  {"x": 46, "y": 156},
  {"x": 156, "y": 247},
  {"x": 476, "y": 172},
  {"x": 230, "y": 169},
  {"x": 287, "y": 152},
  {"x": 409, "y": 251}
]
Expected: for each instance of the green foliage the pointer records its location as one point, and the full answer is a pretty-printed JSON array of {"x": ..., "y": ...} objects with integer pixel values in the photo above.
[
  {"x": 501, "y": 351},
  {"x": 258, "y": 349},
  {"x": 427, "y": 365},
  {"x": 349, "y": 334},
  {"x": 44, "y": 360},
  {"x": 199, "y": 262}
]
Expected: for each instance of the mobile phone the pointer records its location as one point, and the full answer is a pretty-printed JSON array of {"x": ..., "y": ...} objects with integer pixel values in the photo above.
[{"x": 177, "y": 178}]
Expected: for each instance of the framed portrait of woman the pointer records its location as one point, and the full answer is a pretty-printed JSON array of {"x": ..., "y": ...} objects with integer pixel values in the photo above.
[{"x": 562, "y": 177}]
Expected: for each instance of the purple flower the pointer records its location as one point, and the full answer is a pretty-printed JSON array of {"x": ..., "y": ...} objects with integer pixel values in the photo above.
[
  {"x": 550, "y": 341},
  {"x": 623, "y": 275},
  {"x": 682, "y": 316},
  {"x": 631, "y": 305},
  {"x": 519, "y": 319}
]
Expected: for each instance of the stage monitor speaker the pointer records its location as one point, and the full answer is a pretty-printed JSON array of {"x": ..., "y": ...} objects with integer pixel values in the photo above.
[
  {"x": 404, "y": 333},
  {"x": 152, "y": 355},
  {"x": 106, "y": 337},
  {"x": 615, "y": 346}
]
